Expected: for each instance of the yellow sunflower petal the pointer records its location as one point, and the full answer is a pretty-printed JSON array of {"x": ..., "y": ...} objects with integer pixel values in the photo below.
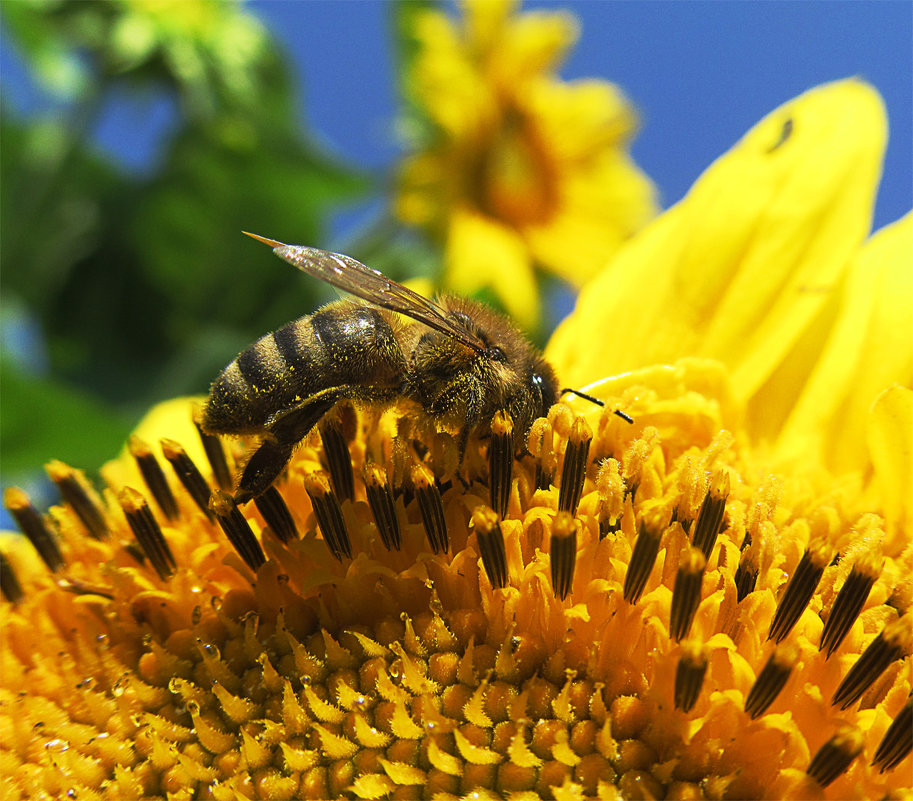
[
  {"x": 172, "y": 419},
  {"x": 867, "y": 349},
  {"x": 890, "y": 438},
  {"x": 738, "y": 268},
  {"x": 483, "y": 253}
]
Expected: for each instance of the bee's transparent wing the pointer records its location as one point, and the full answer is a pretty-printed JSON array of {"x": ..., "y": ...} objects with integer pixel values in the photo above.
[{"x": 353, "y": 277}]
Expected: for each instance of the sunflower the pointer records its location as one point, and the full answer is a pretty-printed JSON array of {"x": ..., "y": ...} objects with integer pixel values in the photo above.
[
  {"x": 690, "y": 605},
  {"x": 522, "y": 170}
]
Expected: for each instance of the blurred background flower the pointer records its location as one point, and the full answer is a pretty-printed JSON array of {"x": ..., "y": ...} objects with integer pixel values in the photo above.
[{"x": 138, "y": 138}]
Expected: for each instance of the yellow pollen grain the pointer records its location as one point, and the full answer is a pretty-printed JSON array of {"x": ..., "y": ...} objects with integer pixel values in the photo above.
[
  {"x": 367, "y": 735},
  {"x": 474, "y": 754},
  {"x": 322, "y": 709},
  {"x": 335, "y": 746}
]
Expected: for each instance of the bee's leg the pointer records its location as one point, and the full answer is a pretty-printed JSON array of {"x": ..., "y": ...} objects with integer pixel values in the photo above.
[{"x": 283, "y": 434}]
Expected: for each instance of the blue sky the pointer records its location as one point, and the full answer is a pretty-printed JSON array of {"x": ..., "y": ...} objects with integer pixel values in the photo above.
[{"x": 700, "y": 74}]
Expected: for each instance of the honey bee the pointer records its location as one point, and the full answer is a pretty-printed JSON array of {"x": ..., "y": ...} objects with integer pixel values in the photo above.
[{"x": 455, "y": 362}]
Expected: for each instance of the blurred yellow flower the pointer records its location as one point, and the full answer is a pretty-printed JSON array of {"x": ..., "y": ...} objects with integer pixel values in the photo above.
[
  {"x": 523, "y": 170},
  {"x": 689, "y": 606}
]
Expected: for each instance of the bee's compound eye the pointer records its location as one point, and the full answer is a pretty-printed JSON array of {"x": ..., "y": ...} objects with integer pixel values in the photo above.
[{"x": 496, "y": 354}]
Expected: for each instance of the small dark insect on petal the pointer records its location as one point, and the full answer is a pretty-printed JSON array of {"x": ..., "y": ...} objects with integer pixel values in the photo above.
[
  {"x": 689, "y": 675},
  {"x": 500, "y": 462},
  {"x": 892, "y": 643},
  {"x": 188, "y": 474},
  {"x": 491, "y": 545},
  {"x": 431, "y": 507},
  {"x": 79, "y": 499},
  {"x": 771, "y": 679},
  {"x": 380, "y": 499},
  {"x": 573, "y": 473},
  {"x": 835, "y": 756},
  {"x": 147, "y": 532},
  {"x": 563, "y": 553},
  {"x": 237, "y": 529},
  {"x": 785, "y": 132},
  {"x": 215, "y": 453},
  {"x": 329, "y": 515},
  {"x": 897, "y": 741},
  {"x": 10, "y": 587},
  {"x": 32, "y": 524},
  {"x": 643, "y": 558},
  {"x": 686, "y": 594},
  {"x": 339, "y": 460},
  {"x": 275, "y": 513},
  {"x": 799, "y": 591},
  {"x": 154, "y": 476},
  {"x": 849, "y": 602}
]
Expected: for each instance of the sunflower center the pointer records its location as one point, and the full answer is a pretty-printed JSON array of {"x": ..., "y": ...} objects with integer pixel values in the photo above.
[{"x": 516, "y": 183}]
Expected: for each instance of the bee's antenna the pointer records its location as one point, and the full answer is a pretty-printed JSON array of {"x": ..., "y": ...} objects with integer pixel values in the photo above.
[{"x": 598, "y": 402}]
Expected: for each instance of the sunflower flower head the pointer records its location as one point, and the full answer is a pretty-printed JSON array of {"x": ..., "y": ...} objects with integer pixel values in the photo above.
[
  {"x": 677, "y": 607},
  {"x": 523, "y": 170}
]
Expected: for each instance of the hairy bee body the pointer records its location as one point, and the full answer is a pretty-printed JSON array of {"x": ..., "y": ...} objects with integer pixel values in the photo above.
[
  {"x": 455, "y": 361},
  {"x": 345, "y": 343}
]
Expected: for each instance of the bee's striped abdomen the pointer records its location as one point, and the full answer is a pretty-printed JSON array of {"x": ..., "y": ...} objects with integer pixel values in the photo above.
[{"x": 343, "y": 344}]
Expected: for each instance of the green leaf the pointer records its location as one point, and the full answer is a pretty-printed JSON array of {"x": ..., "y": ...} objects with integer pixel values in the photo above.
[
  {"x": 413, "y": 119},
  {"x": 42, "y": 419}
]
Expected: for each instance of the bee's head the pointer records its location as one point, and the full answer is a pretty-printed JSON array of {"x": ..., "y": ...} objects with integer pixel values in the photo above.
[{"x": 520, "y": 381}]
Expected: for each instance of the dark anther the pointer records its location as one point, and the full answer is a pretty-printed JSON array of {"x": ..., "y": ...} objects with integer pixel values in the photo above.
[
  {"x": 573, "y": 474},
  {"x": 329, "y": 515},
  {"x": 188, "y": 474},
  {"x": 540, "y": 445},
  {"x": 802, "y": 585},
  {"x": 689, "y": 676},
  {"x": 431, "y": 507},
  {"x": 9, "y": 584},
  {"x": 746, "y": 576},
  {"x": 607, "y": 526},
  {"x": 849, "y": 602},
  {"x": 147, "y": 532},
  {"x": 491, "y": 545},
  {"x": 686, "y": 595},
  {"x": 380, "y": 499},
  {"x": 276, "y": 514},
  {"x": 543, "y": 479},
  {"x": 892, "y": 643},
  {"x": 77, "y": 495},
  {"x": 563, "y": 553},
  {"x": 500, "y": 462},
  {"x": 32, "y": 524},
  {"x": 835, "y": 756},
  {"x": 339, "y": 460},
  {"x": 710, "y": 516},
  {"x": 642, "y": 559},
  {"x": 771, "y": 679},
  {"x": 154, "y": 476},
  {"x": 215, "y": 453},
  {"x": 237, "y": 529},
  {"x": 897, "y": 741}
]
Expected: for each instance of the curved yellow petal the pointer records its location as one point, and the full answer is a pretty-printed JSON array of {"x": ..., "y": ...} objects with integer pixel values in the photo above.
[
  {"x": 890, "y": 440},
  {"x": 172, "y": 419},
  {"x": 868, "y": 347},
  {"x": 738, "y": 269}
]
